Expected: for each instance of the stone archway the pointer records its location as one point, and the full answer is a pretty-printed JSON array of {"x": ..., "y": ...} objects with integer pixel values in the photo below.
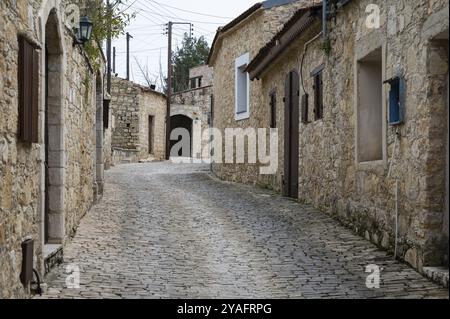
[{"x": 54, "y": 223}]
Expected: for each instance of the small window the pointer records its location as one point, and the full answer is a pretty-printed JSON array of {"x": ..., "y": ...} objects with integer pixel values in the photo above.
[
  {"x": 318, "y": 96},
  {"x": 242, "y": 87},
  {"x": 193, "y": 84},
  {"x": 196, "y": 82},
  {"x": 28, "y": 74},
  {"x": 273, "y": 110}
]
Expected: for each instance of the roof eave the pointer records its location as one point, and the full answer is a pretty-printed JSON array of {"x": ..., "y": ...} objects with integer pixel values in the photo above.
[
  {"x": 280, "y": 42},
  {"x": 231, "y": 26}
]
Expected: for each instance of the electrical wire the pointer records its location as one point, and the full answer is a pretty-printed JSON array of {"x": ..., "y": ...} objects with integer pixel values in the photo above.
[{"x": 193, "y": 12}]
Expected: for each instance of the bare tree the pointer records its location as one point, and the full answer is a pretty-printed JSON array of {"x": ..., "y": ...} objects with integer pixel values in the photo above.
[{"x": 145, "y": 73}]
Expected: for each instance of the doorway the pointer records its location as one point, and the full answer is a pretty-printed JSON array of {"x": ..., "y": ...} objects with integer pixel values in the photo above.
[
  {"x": 54, "y": 228},
  {"x": 181, "y": 121},
  {"x": 291, "y": 135}
]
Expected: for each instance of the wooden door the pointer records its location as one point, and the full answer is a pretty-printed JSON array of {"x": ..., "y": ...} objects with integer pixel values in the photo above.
[
  {"x": 291, "y": 135},
  {"x": 150, "y": 134}
]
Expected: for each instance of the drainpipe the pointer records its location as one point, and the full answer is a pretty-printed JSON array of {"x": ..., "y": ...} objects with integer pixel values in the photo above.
[
  {"x": 324, "y": 18},
  {"x": 397, "y": 185}
]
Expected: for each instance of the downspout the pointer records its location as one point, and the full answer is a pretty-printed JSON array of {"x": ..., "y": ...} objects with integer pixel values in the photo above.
[
  {"x": 305, "y": 48},
  {"x": 324, "y": 19},
  {"x": 393, "y": 159}
]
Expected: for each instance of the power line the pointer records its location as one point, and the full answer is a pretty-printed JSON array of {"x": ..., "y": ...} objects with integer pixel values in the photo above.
[
  {"x": 143, "y": 50},
  {"x": 193, "y": 12},
  {"x": 172, "y": 17},
  {"x": 157, "y": 16}
]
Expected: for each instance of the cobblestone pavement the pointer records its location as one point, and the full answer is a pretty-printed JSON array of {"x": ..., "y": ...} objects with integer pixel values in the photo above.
[{"x": 171, "y": 231}]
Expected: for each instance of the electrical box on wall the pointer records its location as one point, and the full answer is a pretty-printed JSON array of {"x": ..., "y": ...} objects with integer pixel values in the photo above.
[{"x": 396, "y": 100}]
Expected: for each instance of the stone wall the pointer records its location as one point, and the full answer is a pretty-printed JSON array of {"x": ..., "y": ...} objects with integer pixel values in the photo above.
[
  {"x": 155, "y": 105},
  {"x": 249, "y": 36},
  {"x": 22, "y": 168},
  {"x": 363, "y": 195},
  {"x": 131, "y": 106},
  {"x": 203, "y": 71}
]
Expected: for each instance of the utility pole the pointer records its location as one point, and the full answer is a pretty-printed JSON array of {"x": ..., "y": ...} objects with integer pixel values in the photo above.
[
  {"x": 114, "y": 60},
  {"x": 169, "y": 80},
  {"x": 169, "y": 89},
  {"x": 128, "y": 55}
]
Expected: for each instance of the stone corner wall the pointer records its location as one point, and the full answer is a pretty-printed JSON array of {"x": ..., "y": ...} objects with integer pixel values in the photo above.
[
  {"x": 131, "y": 106},
  {"x": 22, "y": 167},
  {"x": 125, "y": 109},
  {"x": 154, "y": 105}
]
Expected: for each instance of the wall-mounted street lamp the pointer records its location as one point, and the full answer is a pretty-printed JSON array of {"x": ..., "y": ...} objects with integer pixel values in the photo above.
[{"x": 84, "y": 31}]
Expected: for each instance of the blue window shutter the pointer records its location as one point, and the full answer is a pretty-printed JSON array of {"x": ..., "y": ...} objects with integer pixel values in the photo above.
[{"x": 397, "y": 96}]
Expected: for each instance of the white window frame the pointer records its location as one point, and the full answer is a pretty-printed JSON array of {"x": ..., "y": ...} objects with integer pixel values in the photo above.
[{"x": 241, "y": 62}]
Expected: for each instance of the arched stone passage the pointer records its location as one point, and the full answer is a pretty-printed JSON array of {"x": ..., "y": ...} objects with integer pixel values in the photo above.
[
  {"x": 181, "y": 121},
  {"x": 54, "y": 225}
]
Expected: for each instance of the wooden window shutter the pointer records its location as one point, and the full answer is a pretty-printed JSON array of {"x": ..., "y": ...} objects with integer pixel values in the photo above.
[
  {"x": 106, "y": 114},
  {"x": 318, "y": 96},
  {"x": 305, "y": 106},
  {"x": 28, "y": 74},
  {"x": 273, "y": 110}
]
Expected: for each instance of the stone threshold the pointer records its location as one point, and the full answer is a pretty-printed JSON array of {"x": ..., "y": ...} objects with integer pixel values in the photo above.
[
  {"x": 437, "y": 274},
  {"x": 53, "y": 256}
]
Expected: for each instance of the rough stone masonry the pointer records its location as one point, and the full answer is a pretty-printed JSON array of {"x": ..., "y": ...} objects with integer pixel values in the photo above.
[{"x": 62, "y": 171}]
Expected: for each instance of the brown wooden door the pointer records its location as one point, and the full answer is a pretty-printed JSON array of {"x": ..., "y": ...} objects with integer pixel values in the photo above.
[{"x": 291, "y": 135}]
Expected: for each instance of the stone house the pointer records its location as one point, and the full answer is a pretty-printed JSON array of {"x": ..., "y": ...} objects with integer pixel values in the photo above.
[
  {"x": 139, "y": 122},
  {"x": 231, "y": 51},
  {"x": 191, "y": 109},
  {"x": 362, "y": 122},
  {"x": 51, "y": 136}
]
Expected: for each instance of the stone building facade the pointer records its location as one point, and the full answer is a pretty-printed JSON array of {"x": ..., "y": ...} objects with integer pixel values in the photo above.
[
  {"x": 138, "y": 124},
  {"x": 383, "y": 177},
  {"x": 243, "y": 38},
  {"x": 193, "y": 108},
  {"x": 49, "y": 182}
]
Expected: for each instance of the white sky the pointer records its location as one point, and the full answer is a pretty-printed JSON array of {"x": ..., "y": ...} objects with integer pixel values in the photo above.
[{"x": 149, "y": 44}]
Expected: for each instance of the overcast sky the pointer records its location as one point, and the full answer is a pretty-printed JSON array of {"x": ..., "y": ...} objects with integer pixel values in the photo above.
[{"x": 149, "y": 44}]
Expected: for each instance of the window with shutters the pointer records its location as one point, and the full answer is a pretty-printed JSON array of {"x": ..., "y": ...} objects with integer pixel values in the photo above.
[
  {"x": 273, "y": 110},
  {"x": 28, "y": 74},
  {"x": 318, "y": 96}
]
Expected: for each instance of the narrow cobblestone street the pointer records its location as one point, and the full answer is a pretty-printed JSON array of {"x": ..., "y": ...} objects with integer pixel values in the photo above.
[{"x": 167, "y": 231}]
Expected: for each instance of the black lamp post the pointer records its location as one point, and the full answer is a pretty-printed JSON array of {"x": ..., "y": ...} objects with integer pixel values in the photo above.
[{"x": 84, "y": 31}]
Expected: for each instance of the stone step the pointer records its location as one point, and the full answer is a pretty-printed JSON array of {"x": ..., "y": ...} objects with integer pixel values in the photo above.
[
  {"x": 53, "y": 256},
  {"x": 437, "y": 274}
]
